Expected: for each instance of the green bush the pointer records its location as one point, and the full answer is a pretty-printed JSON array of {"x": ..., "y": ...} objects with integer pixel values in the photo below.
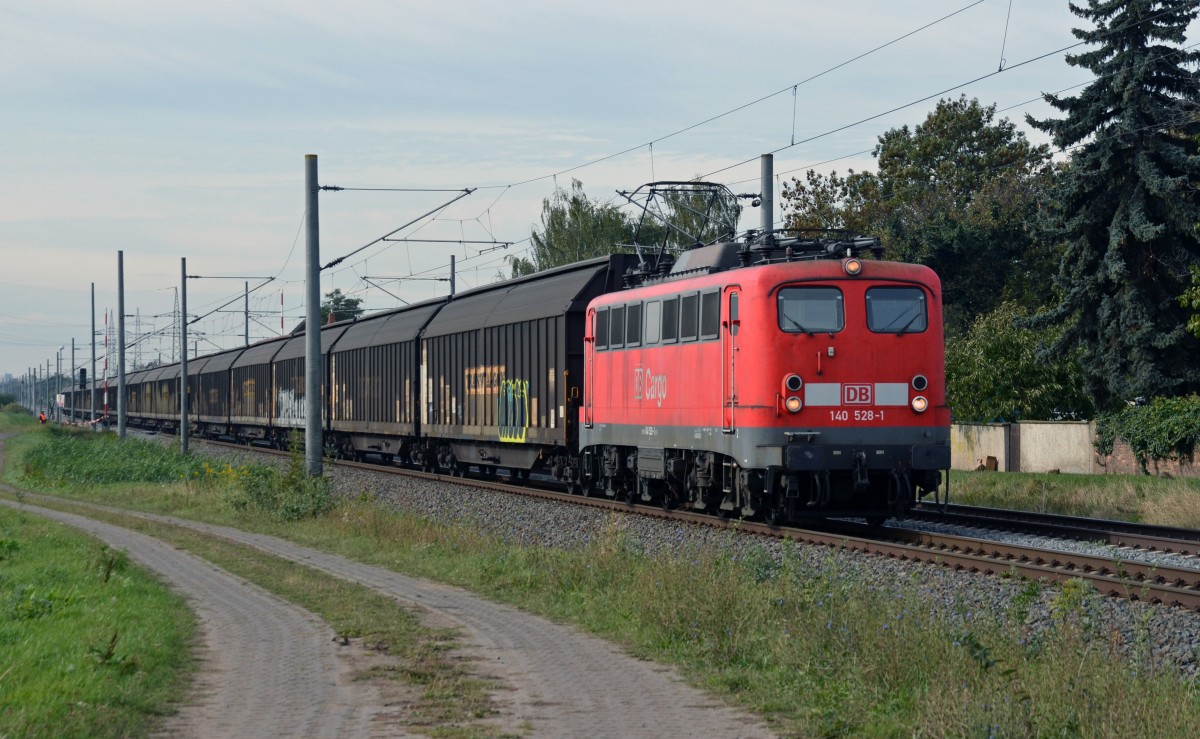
[
  {"x": 996, "y": 373},
  {"x": 289, "y": 495},
  {"x": 1164, "y": 428}
]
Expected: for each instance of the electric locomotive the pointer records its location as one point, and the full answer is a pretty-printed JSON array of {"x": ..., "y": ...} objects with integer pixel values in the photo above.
[{"x": 783, "y": 376}]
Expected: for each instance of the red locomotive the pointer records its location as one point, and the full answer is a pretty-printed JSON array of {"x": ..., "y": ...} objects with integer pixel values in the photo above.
[{"x": 783, "y": 376}]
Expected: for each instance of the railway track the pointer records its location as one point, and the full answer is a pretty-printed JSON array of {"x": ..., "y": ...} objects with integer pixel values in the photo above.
[
  {"x": 1111, "y": 576},
  {"x": 1166, "y": 539}
]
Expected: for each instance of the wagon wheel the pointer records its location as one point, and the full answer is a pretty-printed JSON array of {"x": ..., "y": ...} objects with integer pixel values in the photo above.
[
  {"x": 668, "y": 499},
  {"x": 631, "y": 495}
]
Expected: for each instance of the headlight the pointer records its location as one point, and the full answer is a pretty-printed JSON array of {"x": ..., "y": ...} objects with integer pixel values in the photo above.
[
  {"x": 919, "y": 404},
  {"x": 852, "y": 266},
  {"x": 793, "y": 404},
  {"x": 919, "y": 383}
]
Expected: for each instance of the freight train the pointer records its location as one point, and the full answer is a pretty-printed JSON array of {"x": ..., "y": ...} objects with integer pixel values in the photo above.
[{"x": 779, "y": 376}]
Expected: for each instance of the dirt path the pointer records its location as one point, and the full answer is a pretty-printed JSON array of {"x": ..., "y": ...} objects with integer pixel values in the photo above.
[{"x": 271, "y": 669}]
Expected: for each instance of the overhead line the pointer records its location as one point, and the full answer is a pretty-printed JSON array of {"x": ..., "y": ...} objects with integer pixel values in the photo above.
[{"x": 789, "y": 88}]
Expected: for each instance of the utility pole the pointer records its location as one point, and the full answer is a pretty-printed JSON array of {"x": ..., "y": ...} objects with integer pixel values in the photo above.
[
  {"x": 71, "y": 382},
  {"x": 183, "y": 353},
  {"x": 121, "y": 410},
  {"x": 93, "y": 382},
  {"x": 452, "y": 275},
  {"x": 246, "y": 308},
  {"x": 767, "y": 173},
  {"x": 313, "y": 442},
  {"x": 175, "y": 315}
]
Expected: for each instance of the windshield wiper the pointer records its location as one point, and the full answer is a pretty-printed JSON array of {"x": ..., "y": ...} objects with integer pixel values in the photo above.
[
  {"x": 916, "y": 307},
  {"x": 796, "y": 323},
  {"x": 910, "y": 322}
]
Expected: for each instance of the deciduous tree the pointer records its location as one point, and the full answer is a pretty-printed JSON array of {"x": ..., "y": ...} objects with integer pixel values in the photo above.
[
  {"x": 994, "y": 373},
  {"x": 341, "y": 307},
  {"x": 1191, "y": 300},
  {"x": 574, "y": 228}
]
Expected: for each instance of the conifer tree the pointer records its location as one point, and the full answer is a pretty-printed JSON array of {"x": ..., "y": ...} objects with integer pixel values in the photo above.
[{"x": 1125, "y": 206}]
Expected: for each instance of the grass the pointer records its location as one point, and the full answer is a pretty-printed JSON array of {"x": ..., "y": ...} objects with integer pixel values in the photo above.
[
  {"x": 15, "y": 419},
  {"x": 798, "y": 641},
  {"x": 1154, "y": 500},
  {"x": 89, "y": 645}
]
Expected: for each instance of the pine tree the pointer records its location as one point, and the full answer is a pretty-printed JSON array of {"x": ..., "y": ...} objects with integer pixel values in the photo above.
[{"x": 1125, "y": 206}]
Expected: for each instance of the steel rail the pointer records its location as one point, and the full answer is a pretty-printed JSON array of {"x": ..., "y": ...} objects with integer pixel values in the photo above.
[{"x": 1168, "y": 539}]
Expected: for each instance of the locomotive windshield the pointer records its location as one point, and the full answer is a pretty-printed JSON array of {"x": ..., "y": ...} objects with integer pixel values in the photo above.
[
  {"x": 896, "y": 310},
  {"x": 811, "y": 309}
]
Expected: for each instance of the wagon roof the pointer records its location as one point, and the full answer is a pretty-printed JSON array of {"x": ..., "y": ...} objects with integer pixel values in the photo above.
[
  {"x": 542, "y": 295},
  {"x": 214, "y": 362},
  {"x": 261, "y": 353},
  {"x": 391, "y": 327},
  {"x": 163, "y": 372},
  {"x": 294, "y": 347}
]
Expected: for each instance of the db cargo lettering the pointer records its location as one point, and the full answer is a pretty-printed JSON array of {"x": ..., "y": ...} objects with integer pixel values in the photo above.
[{"x": 649, "y": 386}]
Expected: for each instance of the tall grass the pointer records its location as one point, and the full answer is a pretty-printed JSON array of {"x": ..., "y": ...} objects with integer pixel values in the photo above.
[
  {"x": 70, "y": 457},
  {"x": 83, "y": 458},
  {"x": 89, "y": 646},
  {"x": 14, "y": 418},
  {"x": 1163, "y": 501}
]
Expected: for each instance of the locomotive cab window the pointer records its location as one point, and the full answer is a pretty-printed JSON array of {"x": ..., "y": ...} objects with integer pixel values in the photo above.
[
  {"x": 689, "y": 317},
  {"x": 710, "y": 314},
  {"x": 633, "y": 324},
  {"x": 602, "y": 328},
  {"x": 670, "y": 320},
  {"x": 616, "y": 327},
  {"x": 811, "y": 309},
  {"x": 896, "y": 310}
]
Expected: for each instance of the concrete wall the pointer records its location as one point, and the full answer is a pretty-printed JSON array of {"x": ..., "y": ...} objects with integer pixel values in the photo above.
[
  {"x": 1065, "y": 446},
  {"x": 972, "y": 443},
  {"x": 1041, "y": 446}
]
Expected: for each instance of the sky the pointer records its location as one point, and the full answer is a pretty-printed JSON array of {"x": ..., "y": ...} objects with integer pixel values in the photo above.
[{"x": 167, "y": 130}]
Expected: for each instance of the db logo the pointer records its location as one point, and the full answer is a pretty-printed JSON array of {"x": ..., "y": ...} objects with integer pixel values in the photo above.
[{"x": 856, "y": 394}]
